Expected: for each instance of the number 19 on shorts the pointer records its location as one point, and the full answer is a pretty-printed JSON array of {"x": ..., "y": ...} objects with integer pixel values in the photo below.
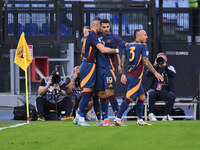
[{"x": 109, "y": 79}]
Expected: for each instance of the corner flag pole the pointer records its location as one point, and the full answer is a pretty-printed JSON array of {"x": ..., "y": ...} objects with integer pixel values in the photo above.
[
  {"x": 26, "y": 84},
  {"x": 23, "y": 60}
]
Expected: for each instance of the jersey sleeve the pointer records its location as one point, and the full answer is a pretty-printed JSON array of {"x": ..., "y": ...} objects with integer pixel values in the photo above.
[
  {"x": 145, "y": 52},
  {"x": 120, "y": 42},
  {"x": 95, "y": 39},
  {"x": 124, "y": 51}
]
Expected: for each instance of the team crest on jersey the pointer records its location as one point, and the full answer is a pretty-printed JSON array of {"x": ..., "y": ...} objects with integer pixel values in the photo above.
[
  {"x": 108, "y": 41},
  {"x": 20, "y": 52}
]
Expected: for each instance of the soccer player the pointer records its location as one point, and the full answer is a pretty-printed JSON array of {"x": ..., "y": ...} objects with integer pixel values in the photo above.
[
  {"x": 106, "y": 71},
  {"x": 136, "y": 53},
  {"x": 88, "y": 68}
]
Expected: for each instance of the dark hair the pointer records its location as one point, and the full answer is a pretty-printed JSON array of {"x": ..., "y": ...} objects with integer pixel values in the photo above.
[
  {"x": 105, "y": 21},
  {"x": 96, "y": 19},
  {"x": 135, "y": 32}
]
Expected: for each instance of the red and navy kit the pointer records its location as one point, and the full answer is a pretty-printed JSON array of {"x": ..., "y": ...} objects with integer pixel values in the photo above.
[
  {"x": 134, "y": 52},
  {"x": 111, "y": 41},
  {"x": 88, "y": 66},
  {"x": 106, "y": 70}
]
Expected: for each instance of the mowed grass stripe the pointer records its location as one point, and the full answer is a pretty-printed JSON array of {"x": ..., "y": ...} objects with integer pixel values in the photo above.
[{"x": 179, "y": 135}]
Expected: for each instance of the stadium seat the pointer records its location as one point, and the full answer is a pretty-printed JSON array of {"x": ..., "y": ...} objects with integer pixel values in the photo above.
[
  {"x": 65, "y": 30},
  {"x": 31, "y": 29},
  {"x": 11, "y": 28},
  {"x": 46, "y": 29},
  {"x": 115, "y": 20}
]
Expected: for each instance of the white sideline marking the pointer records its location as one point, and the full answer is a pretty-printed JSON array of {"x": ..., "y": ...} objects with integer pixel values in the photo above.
[{"x": 13, "y": 126}]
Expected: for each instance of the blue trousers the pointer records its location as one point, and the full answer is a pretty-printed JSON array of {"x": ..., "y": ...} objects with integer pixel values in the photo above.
[{"x": 168, "y": 97}]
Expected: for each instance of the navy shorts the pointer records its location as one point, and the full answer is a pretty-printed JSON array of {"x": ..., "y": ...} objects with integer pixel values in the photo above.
[
  {"x": 87, "y": 74},
  {"x": 106, "y": 79},
  {"x": 135, "y": 87}
]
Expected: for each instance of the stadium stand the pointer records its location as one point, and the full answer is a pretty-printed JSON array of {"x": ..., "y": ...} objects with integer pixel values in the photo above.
[{"x": 31, "y": 29}]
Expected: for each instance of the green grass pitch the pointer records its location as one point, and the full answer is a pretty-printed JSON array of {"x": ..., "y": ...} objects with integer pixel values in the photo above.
[{"x": 57, "y": 135}]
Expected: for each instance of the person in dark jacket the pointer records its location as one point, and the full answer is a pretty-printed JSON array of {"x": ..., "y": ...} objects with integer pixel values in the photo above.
[{"x": 160, "y": 91}]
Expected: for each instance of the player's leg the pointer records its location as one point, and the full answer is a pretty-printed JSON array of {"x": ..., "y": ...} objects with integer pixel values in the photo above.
[
  {"x": 109, "y": 88},
  {"x": 86, "y": 96},
  {"x": 104, "y": 107},
  {"x": 113, "y": 101},
  {"x": 140, "y": 106},
  {"x": 96, "y": 106},
  {"x": 88, "y": 78}
]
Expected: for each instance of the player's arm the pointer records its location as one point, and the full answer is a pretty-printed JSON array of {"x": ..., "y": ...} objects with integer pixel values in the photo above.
[
  {"x": 108, "y": 50},
  {"x": 123, "y": 77},
  {"x": 122, "y": 44},
  {"x": 118, "y": 63},
  {"x": 149, "y": 66}
]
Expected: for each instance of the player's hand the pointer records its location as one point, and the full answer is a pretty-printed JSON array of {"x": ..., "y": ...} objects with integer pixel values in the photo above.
[
  {"x": 119, "y": 69},
  {"x": 123, "y": 79},
  {"x": 159, "y": 76}
]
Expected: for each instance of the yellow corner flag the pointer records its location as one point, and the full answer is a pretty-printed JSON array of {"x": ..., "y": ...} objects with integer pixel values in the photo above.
[
  {"x": 22, "y": 52},
  {"x": 23, "y": 60}
]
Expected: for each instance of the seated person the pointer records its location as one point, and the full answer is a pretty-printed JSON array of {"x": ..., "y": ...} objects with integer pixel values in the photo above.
[
  {"x": 50, "y": 91},
  {"x": 163, "y": 91},
  {"x": 73, "y": 87}
]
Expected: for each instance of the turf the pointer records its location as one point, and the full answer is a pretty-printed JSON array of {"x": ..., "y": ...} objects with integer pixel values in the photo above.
[{"x": 176, "y": 135}]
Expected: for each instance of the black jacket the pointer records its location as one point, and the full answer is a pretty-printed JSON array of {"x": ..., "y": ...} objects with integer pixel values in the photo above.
[{"x": 169, "y": 72}]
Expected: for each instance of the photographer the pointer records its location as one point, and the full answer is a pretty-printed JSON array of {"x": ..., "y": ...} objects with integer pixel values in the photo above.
[
  {"x": 73, "y": 87},
  {"x": 162, "y": 90},
  {"x": 51, "y": 92}
]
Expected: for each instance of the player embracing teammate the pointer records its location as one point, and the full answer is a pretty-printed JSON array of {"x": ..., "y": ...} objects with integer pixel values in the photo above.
[{"x": 98, "y": 72}]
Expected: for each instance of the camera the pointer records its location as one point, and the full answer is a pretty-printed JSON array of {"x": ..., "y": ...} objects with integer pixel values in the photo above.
[
  {"x": 160, "y": 60},
  {"x": 55, "y": 78}
]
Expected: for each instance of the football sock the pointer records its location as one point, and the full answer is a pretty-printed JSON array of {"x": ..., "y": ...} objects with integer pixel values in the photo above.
[
  {"x": 139, "y": 108},
  {"x": 104, "y": 108},
  {"x": 84, "y": 103},
  {"x": 96, "y": 106},
  {"x": 123, "y": 107},
  {"x": 114, "y": 104}
]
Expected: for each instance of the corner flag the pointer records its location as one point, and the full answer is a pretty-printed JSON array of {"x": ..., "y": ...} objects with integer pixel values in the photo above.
[
  {"x": 22, "y": 52},
  {"x": 23, "y": 60}
]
